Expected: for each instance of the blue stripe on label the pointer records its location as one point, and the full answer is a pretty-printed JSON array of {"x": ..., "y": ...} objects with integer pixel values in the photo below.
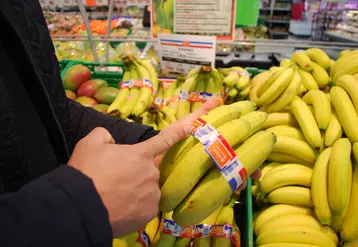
[
  {"x": 233, "y": 184},
  {"x": 201, "y": 43},
  {"x": 171, "y": 40}
]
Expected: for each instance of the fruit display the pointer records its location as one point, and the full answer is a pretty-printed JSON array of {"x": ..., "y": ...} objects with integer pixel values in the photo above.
[
  {"x": 299, "y": 125},
  {"x": 307, "y": 191},
  {"x": 94, "y": 93},
  {"x": 218, "y": 230}
]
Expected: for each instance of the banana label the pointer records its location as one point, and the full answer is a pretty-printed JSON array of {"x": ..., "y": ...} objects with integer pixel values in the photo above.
[
  {"x": 192, "y": 96},
  {"x": 221, "y": 231},
  {"x": 235, "y": 238},
  {"x": 139, "y": 83},
  {"x": 202, "y": 231},
  {"x": 220, "y": 152},
  {"x": 144, "y": 238}
]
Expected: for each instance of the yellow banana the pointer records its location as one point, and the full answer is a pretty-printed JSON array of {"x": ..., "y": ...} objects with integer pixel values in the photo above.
[
  {"x": 319, "y": 56},
  {"x": 321, "y": 76},
  {"x": 308, "y": 81},
  {"x": 167, "y": 240},
  {"x": 301, "y": 58},
  {"x": 319, "y": 188},
  {"x": 288, "y": 131},
  {"x": 231, "y": 95},
  {"x": 287, "y": 95},
  {"x": 342, "y": 62},
  {"x": 231, "y": 79},
  {"x": 302, "y": 90},
  {"x": 290, "y": 220},
  {"x": 295, "y": 234},
  {"x": 256, "y": 120},
  {"x": 346, "y": 113},
  {"x": 337, "y": 220},
  {"x": 271, "y": 78},
  {"x": 296, "y": 148},
  {"x": 286, "y": 158},
  {"x": 278, "y": 86},
  {"x": 353, "y": 243},
  {"x": 183, "y": 106},
  {"x": 350, "y": 85},
  {"x": 169, "y": 115},
  {"x": 333, "y": 131},
  {"x": 321, "y": 105},
  {"x": 307, "y": 122},
  {"x": 350, "y": 68},
  {"x": 197, "y": 205},
  {"x": 356, "y": 76},
  {"x": 145, "y": 71},
  {"x": 286, "y": 63},
  {"x": 210, "y": 220},
  {"x": 216, "y": 118},
  {"x": 291, "y": 195},
  {"x": 162, "y": 123},
  {"x": 338, "y": 173},
  {"x": 279, "y": 118},
  {"x": 349, "y": 229},
  {"x": 169, "y": 91},
  {"x": 355, "y": 151},
  {"x": 287, "y": 245},
  {"x": 266, "y": 168},
  {"x": 244, "y": 93},
  {"x": 150, "y": 229},
  {"x": 256, "y": 82},
  {"x": 277, "y": 210},
  {"x": 226, "y": 216},
  {"x": 134, "y": 95},
  {"x": 123, "y": 94},
  {"x": 195, "y": 164},
  {"x": 285, "y": 175},
  {"x": 244, "y": 81}
]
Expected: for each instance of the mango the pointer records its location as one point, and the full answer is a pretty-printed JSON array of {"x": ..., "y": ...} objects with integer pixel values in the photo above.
[
  {"x": 86, "y": 101},
  {"x": 101, "y": 108},
  {"x": 106, "y": 95},
  {"x": 75, "y": 76},
  {"x": 70, "y": 94},
  {"x": 89, "y": 88}
]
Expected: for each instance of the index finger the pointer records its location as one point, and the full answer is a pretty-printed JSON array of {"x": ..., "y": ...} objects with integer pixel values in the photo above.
[{"x": 176, "y": 132}]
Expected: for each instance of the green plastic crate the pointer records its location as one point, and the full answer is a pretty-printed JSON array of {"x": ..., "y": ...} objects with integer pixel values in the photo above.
[
  {"x": 110, "y": 72},
  {"x": 254, "y": 71}
]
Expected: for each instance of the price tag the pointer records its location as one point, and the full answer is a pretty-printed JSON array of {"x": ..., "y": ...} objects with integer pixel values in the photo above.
[{"x": 181, "y": 53}]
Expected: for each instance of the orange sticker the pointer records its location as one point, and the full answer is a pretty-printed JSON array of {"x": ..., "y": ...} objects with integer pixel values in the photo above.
[
  {"x": 138, "y": 83},
  {"x": 197, "y": 123},
  {"x": 219, "y": 153}
]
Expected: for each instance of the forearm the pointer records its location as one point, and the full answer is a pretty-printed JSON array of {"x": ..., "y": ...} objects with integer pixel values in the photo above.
[
  {"x": 61, "y": 208},
  {"x": 85, "y": 119}
]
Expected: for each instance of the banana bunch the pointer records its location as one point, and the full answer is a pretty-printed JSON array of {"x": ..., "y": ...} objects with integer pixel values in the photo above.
[
  {"x": 136, "y": 89},
  {"x": 135, "y": 239},
  {"x": 158, "y": 117},
  {"x": 275, "y": 89},
  {"x": 188, "y": 174},
  {"x": 199, "y": 85},
  {"x": 236, "y": 83},
  {"x": 346, "y": 64}
]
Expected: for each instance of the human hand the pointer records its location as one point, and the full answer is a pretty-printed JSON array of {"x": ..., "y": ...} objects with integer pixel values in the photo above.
[{"x": 125, "y": 176}]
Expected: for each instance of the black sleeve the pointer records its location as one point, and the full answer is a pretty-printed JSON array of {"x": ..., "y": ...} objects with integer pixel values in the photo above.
[
  {"x": 59, "y": 209},
  {"x": 84, "y": 119}
]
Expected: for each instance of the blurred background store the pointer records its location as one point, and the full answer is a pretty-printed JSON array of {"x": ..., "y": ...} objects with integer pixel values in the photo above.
[{"x": 291, "y": 24}]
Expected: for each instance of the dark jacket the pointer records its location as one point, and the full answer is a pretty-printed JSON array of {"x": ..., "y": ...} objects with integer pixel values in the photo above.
[{"x": 43, "y": 202}]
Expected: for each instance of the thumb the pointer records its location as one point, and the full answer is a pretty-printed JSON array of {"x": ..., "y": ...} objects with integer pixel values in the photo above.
[
  {"x": 99, "y": 135},
  {"x": 176, "y": 132}
]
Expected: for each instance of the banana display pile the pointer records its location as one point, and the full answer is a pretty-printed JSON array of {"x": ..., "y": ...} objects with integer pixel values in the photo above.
[
  {"x": 308, "y": 192},
  {"x": 137, "y": 90},
  {"x": 161, "y": 231}
]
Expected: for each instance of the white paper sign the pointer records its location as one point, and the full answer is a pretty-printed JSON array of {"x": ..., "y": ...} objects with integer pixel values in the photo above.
[{"x": 181, "y": 53}]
